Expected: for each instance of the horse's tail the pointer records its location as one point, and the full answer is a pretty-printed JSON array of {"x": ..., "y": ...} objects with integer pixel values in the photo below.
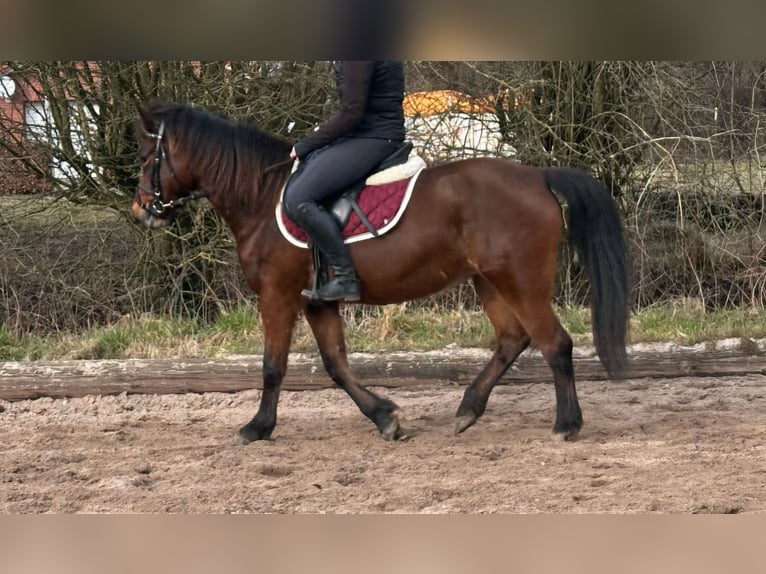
[{"x": 596, "y": 233}]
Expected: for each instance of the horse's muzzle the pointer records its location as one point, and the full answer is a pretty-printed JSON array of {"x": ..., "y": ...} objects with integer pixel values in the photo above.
[{"x": 147, "y": 218}]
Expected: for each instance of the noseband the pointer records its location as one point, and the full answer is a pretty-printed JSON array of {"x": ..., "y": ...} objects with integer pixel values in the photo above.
[{"x": 157, "y": 207}]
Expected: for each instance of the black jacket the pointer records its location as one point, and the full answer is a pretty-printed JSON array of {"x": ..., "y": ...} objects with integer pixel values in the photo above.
[{"x": 371, "y": 95}]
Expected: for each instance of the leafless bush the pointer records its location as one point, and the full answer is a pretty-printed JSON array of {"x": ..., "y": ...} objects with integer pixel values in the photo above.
[{"x": 678, "y": 145}]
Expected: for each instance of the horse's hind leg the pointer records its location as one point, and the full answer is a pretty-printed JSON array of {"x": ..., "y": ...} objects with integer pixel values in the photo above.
[
  {"x": 536, "y": 314},
  {"x": 511, "y": 339},
  {"x": 327, "y": 326},
  {"x": 532, "y": 306}
]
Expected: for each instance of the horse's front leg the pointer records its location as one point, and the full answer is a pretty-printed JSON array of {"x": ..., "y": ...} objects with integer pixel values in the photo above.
[
  {"x": 327, "y": 326},
  {"x": 278, "y": 321}
]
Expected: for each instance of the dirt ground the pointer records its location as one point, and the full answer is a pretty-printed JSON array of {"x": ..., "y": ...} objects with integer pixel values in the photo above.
[{"x": 679, "y": 445}]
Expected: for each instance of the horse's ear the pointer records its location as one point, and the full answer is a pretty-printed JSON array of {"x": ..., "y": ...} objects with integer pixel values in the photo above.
[{"x": 147, "y": 121}]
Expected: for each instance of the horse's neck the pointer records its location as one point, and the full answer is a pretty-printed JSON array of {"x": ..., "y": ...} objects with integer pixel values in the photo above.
[{"x": 246, "y": 211}]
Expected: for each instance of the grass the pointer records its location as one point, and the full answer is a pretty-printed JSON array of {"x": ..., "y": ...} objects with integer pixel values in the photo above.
[
  {"x": 687, "y": 323},
  {"x": 372, "y": 330}
]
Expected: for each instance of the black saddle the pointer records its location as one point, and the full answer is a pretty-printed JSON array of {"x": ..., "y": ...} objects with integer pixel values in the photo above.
[{"x": 342, "y": 206}]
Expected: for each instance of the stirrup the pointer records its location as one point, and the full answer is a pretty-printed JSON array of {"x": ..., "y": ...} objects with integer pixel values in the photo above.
[
  {"x": 349, "y": 297},
  {"x": 310, "y": 294}
]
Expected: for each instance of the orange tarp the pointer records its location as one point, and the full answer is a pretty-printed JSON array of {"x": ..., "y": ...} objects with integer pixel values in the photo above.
[{"x": 442, "y": 101}]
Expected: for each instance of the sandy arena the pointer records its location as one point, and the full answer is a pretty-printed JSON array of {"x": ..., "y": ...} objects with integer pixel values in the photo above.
[{"x": 680, "y": 445}]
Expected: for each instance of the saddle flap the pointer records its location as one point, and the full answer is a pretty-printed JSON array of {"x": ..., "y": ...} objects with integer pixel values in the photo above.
[{"x": 342, "y": 207}]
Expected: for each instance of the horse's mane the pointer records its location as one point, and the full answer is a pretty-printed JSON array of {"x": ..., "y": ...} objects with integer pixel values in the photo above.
[{"x": 233, "y": 154}]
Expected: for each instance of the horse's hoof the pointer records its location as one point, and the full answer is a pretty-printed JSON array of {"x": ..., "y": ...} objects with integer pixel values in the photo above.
[
  {"x": 249, "y": 433},
  {"x": 464, "y": 421},
  {"x": 566, "y": 436},
  {"x": 392, "y": 430}
]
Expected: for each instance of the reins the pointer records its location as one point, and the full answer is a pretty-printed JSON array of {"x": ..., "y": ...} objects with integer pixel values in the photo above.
[{"x": 278, "y": 165}]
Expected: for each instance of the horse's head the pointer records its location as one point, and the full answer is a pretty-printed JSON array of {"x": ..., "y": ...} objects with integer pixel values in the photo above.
[{"x": 164, "y": 185}]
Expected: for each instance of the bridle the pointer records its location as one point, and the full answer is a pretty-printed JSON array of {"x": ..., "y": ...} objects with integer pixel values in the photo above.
[{"x": 157, "y": 207}]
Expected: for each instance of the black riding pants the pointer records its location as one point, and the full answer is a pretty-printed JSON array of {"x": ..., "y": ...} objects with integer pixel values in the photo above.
[{"x": 329, "y": 171}]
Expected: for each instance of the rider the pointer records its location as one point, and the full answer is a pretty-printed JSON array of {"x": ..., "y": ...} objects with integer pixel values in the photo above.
[{"x": 368, "y": 127}]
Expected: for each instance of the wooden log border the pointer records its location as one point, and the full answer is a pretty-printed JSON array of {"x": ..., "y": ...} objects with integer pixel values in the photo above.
[{"x": 76, "y": 378}]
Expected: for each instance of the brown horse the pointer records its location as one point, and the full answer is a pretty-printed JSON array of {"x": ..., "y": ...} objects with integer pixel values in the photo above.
[{"x": 493, "y": 221}]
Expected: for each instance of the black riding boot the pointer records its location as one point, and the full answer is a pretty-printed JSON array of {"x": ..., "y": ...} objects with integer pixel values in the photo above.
[{"x": 322, "y": 229}]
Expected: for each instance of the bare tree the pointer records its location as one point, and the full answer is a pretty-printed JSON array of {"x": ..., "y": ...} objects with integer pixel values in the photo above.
[{"x": 679, "y": 145}]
